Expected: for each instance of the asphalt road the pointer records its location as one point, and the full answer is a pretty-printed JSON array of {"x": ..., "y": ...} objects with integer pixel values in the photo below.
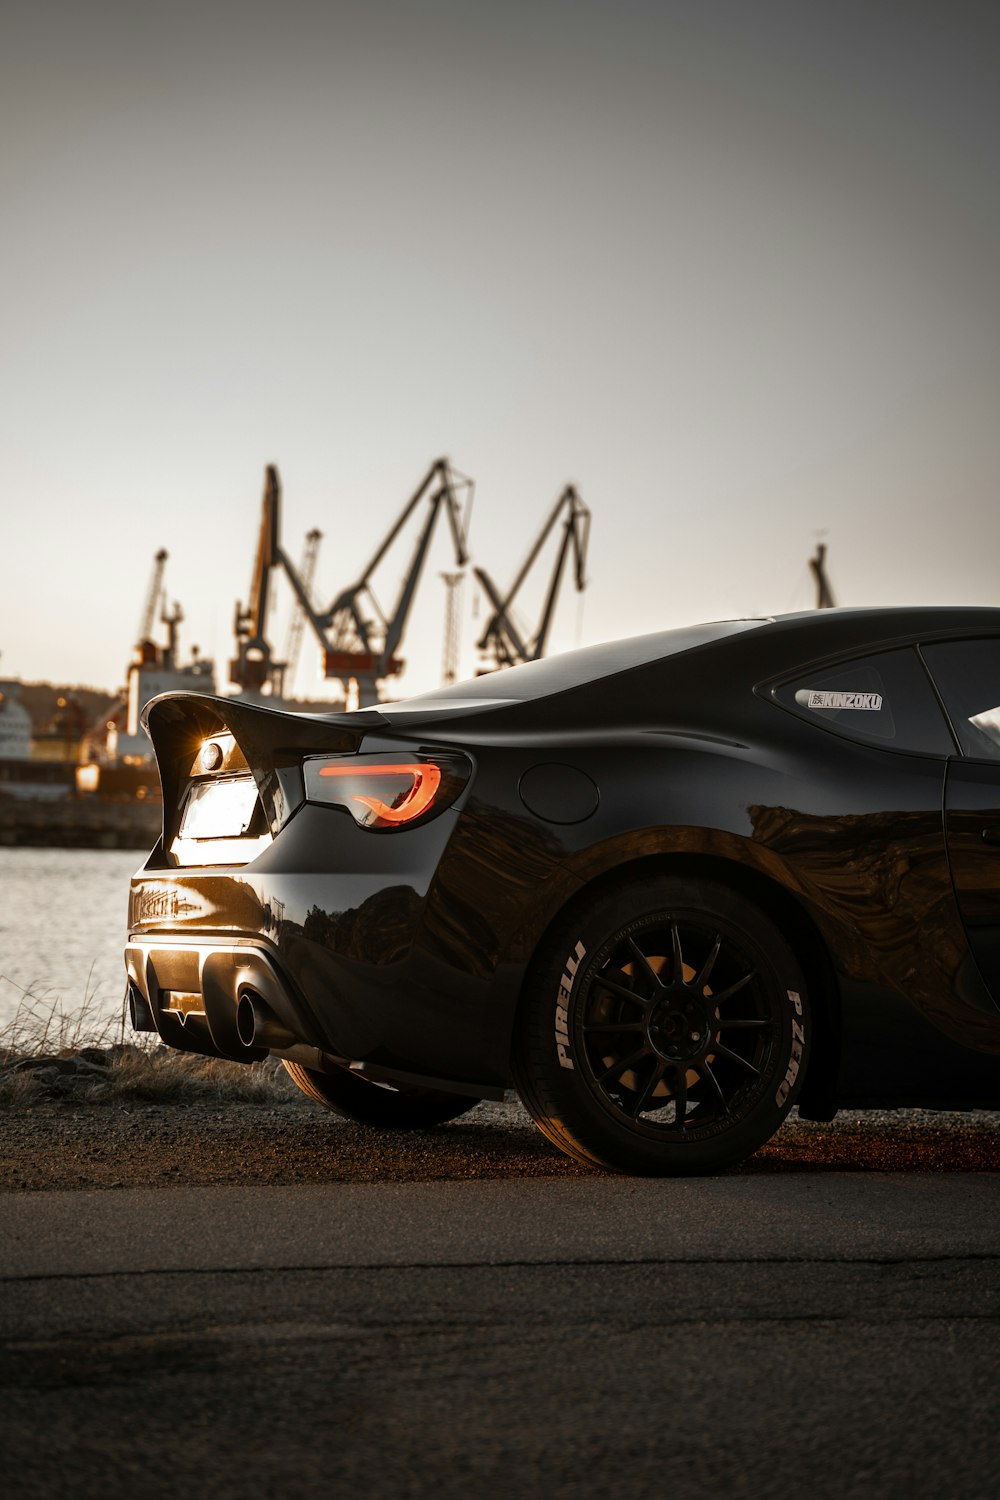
[{"x": 806, "y": 1335}]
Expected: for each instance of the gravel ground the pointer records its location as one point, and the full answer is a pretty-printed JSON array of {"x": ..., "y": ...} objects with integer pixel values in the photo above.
[{"x": 61, "y": 1143}]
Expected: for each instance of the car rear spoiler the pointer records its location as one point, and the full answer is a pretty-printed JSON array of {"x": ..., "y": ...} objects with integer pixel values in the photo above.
[{"x": 272, "y": 742}]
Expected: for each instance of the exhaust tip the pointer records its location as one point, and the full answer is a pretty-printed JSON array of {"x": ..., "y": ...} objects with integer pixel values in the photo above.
[
  {"x": 246, "y": 1021},
  {"x": 139, "y": 1014},
  {"x": 258, "y": 1026}
]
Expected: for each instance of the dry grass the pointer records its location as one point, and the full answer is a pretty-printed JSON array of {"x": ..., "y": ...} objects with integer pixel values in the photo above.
[
  {"x": 20, "y": 1090},
  {"x": 44, "y": 1022},
  {"x": 51, "y": 1052},
  {"x": 160, "y": 1075}
]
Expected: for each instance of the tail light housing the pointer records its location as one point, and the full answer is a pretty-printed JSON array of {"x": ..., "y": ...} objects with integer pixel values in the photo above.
[{"x": 387, "y": 793}]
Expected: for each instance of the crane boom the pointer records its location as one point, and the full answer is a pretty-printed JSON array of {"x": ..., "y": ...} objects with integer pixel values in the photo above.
[
  {"x": 253, "y": 666},
  {"x": 358, "y": 639},
  {"x": 267, "y": 544},
  {"x": 445, "y": 496},
  {"x": 501, "y": 637},
  {"x": 152, "y": 598}
]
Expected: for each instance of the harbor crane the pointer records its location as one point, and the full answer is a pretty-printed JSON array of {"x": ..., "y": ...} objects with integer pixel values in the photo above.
[
  {"x": 817, "y": 566},
  {"x": 146, "y": 648},
  {"x": 358, "y": 639},
  {"x": 254, "y": 668},
  {"x": 504, "y": 644}
]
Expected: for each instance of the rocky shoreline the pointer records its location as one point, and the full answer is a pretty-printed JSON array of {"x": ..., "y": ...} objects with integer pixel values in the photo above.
[{"x": 79, "y": 823}]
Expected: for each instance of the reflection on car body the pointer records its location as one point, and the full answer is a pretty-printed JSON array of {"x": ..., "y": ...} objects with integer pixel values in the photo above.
[{"x": 666, "y": 887}]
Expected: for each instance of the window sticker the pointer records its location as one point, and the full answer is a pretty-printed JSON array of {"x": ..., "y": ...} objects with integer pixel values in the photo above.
[
  {"x": 885, "y": 699},
  {"x": 821, "y": 698}
]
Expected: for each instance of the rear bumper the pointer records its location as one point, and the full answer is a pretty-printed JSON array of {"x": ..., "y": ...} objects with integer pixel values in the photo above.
[
  {"x": 233, "y": 1000},
  {"x": 403, "y": 956},
  {"x": 242, "y": 998},
  {"x": 335, "y": 933},
  {"x": 191, "y": 993}
]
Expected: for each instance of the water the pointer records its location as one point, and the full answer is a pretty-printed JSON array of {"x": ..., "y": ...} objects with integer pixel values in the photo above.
[{"x": 63, "y": 915}]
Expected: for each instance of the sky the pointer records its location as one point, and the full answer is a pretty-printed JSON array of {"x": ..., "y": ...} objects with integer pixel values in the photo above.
[{"x": 733, "y": 269}]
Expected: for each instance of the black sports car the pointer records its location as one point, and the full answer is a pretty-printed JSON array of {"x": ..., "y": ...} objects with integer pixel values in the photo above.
[{"x": 667, "y": 886}]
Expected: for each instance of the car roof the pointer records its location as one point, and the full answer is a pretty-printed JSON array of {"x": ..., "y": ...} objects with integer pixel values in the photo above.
[
  {"x": 773, "y": 643},
  {"x": 843, "y": 629},
  {"x": 904, "y": 617}
]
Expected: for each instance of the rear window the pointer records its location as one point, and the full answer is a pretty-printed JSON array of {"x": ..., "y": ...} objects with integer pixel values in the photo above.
[{"x": 967, "y": 674}]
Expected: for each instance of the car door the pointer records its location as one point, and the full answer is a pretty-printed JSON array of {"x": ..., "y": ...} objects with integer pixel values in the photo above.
[{"x": 967, "y": 675}]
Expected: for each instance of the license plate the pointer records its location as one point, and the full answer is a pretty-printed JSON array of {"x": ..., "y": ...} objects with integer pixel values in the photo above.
[{"x": 219, "y": 809}]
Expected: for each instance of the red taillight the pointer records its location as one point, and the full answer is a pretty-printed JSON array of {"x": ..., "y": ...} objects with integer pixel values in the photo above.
[
  {"x": 424, "y": 781},
  {"x": 382, "y": 793}
]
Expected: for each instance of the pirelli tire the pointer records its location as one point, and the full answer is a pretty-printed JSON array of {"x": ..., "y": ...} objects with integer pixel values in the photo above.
[
  {"x": 385, "y": 1106},
  {"x": 664, "y": 1029}
]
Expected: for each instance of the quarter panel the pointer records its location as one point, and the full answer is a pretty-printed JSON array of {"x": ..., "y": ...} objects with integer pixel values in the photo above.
[
  {"x": 854, "y": 833},
  {"x": 401, "y": 956}
]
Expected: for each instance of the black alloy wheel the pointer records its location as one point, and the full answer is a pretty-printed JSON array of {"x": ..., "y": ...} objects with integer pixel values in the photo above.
[
  {"x": 387, "y": 1106},
  {"x": 665, "y": 1030}
]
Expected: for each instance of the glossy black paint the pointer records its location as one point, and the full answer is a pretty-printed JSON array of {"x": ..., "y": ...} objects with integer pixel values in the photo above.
[
  {"x": 972, "y": 822},
  {"x": 406, "y": 952}
]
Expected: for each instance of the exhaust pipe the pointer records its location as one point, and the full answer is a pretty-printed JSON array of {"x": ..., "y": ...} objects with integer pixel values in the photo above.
[
  {"x": 139, "y": 1014},
  {"x": 258, "y": 1026}
]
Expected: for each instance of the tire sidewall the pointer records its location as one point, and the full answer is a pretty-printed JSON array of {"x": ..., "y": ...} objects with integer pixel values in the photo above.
[{"x": 558, "y": 1007}]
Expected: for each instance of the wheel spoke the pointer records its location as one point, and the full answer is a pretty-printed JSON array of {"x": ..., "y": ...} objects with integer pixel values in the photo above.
[
  {"x": 619, "y": 989},
  {"x": 680, "y": 1088},
  {"x": 706, "y": 1072},
  {"x": 613, "y": 1026},
  {"x": 733, "y": 988},
  {"x": 620, "y": 1065},
  {"x": 677, "y": 975},
  {"x": 723, "y": 1025},
  {"x": 644, "y": 964},
  {"x": 707, "y": 967},
  {"x": 642, "y": 1102},
  {"x": 721, "y": 1051}
]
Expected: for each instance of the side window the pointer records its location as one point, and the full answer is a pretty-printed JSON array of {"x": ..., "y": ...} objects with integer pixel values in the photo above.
[
  {"x": 967, "y": 674},
  {"x": 881, "y": 700}
]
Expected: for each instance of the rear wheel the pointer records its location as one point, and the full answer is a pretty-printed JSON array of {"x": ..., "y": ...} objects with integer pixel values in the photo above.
[
  {"x": 390, "y": 1106},
  {"x": 664, "y": 1029}
]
